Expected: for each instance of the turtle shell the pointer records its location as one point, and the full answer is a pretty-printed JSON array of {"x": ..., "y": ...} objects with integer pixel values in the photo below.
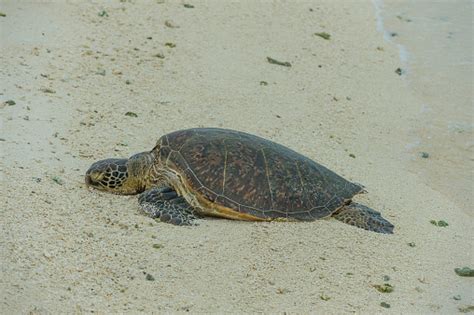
[{"x": 236, "y": 171}]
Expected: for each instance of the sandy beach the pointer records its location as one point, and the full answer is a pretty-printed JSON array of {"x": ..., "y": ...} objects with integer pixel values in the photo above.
[{"x": 70, "y": 73}]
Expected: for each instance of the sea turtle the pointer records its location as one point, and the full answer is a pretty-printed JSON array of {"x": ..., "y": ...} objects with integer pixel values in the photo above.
[{"x": 235, "y": 175}]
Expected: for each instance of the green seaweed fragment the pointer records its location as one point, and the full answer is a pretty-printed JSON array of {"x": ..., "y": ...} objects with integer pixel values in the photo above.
[
  {"x": 464, "y": 272},
  {"x": 324, "y": 297},
  {"x": 58, "y": 180},
  {"x": 466, "y": 309},
  {"x": 440, "y": 223},
  {"x": 277, "y": 62},
  {"x": 384, "y": 304},
  {"x": 425, "y": 155},
  {"x": 2, "y": 14},
  {"x": 149, "y": 277},
  {"x": 131, "y": 114},
  {"x": 384, "y": 288},
  {"x": 324, "y": 35}
]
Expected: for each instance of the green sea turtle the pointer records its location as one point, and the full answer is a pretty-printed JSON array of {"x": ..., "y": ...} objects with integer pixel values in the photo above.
[{"x": 231, "y": 174}]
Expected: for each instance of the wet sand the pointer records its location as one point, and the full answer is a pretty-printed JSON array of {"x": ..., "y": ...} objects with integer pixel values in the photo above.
[
  {"x": 435, "y": 40},
  {"x": 74, "y": 71}
]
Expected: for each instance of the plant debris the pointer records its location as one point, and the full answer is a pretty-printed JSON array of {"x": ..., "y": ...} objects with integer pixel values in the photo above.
[
  {"x": 324, "y": 35},
  {"x": 425, "y": 155},
  {"x": 401, "y": 18},
  {"x": 103, "y": 13},
  {"x": 58, "y": 180},
  {"x": 131, "y": 114},
  {"x": 399, "y": 71},
  {"x": 10, "y": 102},
  {"x": 47, "y": 90},
  {"x": 264, "y": 83},
  {"x": 464, "y": 272},
  {"x": 352, "y": 155},
  {"x": 384, "y": 304},
  {"x": 128, "y": 82},
  {"x": 280, "y": 63},
  {"x": 170, "y": 24},
  {"x": 384, "y": 288},
  {"x": 149, "y": 277},
  {"x": 466, "y": 309},
  {"x": 440, "y": 223},
  {"x": 457, "y": 297},
  {"x": 324, "y": 297},
  {"x": 188, "y": 6},
  {"x": 158, "y": 246},
  {"x": 282, "y": 290},
  {"x": 412, "y": 244},
  {"x": 2, "y": 14},
  {"x": 159, "y": 55},
  {"x": 170, "y": 45}
]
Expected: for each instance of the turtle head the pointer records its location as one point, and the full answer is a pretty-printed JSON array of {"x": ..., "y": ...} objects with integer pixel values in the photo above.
[{"x": 121, "y": 176}]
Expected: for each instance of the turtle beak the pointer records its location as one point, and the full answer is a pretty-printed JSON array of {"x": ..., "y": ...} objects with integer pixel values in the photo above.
[
  {"x": 89, "y": 181},
  {"x": 93, "y": 178}
]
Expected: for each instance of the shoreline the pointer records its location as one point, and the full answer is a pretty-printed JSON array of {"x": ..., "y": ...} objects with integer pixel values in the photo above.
[{"x": 433, "y": 40}]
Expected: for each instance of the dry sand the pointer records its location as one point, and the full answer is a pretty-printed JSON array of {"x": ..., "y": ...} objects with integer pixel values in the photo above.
[{"x": 67, "y": 249}]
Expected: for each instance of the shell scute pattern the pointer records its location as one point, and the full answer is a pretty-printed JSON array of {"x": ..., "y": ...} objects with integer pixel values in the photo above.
[{"x": 255, "y": 176}]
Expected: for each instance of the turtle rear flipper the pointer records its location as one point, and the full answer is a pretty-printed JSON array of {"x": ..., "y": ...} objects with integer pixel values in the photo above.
[
  {"x": 165, "y": 204},
  {"x": 363, "y": 217}
]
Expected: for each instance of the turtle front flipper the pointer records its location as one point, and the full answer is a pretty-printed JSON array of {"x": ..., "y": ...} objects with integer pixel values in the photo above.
[
  {"x": 363, "y": 217},
  {"x": 165, "y": 204}
]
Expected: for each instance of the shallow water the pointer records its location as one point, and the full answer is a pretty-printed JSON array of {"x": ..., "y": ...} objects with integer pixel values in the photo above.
[{"x": 435, "y": 43}]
